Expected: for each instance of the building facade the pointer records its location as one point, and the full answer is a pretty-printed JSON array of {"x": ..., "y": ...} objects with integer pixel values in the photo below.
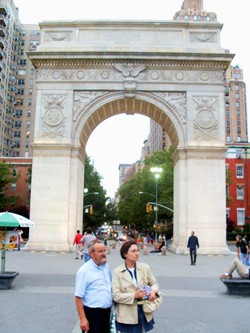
[
  {"x": 18, "y": 87},
  {"x": 238, "y": 187},
  {"x": 21, "y": 189}
]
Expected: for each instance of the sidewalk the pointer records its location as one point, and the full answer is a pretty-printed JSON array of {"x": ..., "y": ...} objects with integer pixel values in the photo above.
[{"x": 41, "y": 299}]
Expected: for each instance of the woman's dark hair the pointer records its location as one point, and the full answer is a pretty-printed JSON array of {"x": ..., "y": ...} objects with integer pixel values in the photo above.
[{"x": 125, "y": 247}]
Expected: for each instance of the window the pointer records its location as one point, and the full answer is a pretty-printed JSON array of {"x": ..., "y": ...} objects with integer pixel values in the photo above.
[
  {"x": 239, "y": 171},
  {"x": 237, "y": 104},
  {"x": 240, "y": 192},
  {"x": 14, "y": 172},
  {"x": 23, "y": 62},
  {"x": 17, "y": 134},
  {"x": 13, "y": 187},
  {"x": 21, "y": 82},
  {"x": 19, "y": 113},
  {"x": 240, "y": 216}
]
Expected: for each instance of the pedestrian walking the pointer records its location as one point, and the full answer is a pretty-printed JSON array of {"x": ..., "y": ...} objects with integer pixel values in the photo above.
[
  {"x": 78, "y": 244},
  {"x": 86, "y": 239},
  {"x": 93, "y": 295},
  {"x": 193, "y": 244}
]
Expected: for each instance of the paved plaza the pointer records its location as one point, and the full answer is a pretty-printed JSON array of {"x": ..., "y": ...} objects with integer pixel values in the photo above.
[{"x": 41, "y": 299}]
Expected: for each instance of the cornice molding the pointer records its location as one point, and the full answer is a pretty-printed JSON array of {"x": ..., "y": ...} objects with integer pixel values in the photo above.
[{"x": 183, "y": 64}]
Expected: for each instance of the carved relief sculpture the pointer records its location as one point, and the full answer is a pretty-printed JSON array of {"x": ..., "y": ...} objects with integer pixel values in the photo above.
[
  {"x": 53, "y": 120},
  {"x": 205, "y": 122}
]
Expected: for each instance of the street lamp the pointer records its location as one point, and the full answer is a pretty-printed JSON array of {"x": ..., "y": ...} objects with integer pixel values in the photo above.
[
  {"x": 152, "y": 195},
  {"x": 156, "y": 171},
  {"x": 86, "y": 192}
]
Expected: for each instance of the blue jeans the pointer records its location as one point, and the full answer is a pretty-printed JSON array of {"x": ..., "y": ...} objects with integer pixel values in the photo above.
[
  {"x": 86, "y": 256},
  {"x": 243, "y": 259}
]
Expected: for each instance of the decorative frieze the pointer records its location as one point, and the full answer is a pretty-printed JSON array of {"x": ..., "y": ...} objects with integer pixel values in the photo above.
[{"x": 121, "y": 72}]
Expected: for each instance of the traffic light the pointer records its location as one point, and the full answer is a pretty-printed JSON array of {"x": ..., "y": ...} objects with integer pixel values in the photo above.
[
  {"x": 148, "y": 208},
  {"x": 91, "y": 210}
]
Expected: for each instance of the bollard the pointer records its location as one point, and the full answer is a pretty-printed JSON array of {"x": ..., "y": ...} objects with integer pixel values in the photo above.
[
  {"x": 145, "y": 250},
  {"x": 113, "y": 245},
  {"x": 164, "y": 251},
  {"x": 108, "y": 249}
]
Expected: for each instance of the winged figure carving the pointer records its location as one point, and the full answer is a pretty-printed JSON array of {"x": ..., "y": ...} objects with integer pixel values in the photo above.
[{"x": 130, "y": 70}]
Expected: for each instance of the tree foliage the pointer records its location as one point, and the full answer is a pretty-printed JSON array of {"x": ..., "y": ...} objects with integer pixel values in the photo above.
[
  {"x": 6, "y": 179},
  {"x": 103, "y": 209},
  {"x": 132, "y": 204}
]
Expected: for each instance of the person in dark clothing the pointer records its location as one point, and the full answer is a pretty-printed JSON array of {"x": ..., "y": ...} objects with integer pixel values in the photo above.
[{"x": 193, "y": 244}]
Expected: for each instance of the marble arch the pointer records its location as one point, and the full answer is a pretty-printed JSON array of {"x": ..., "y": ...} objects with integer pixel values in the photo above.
[{"x": 172, "y": 72}]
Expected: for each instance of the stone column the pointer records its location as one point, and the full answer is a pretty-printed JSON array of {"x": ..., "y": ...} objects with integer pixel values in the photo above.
[
  {"x": 56, "y": 196},
  {"x": 200, "y": 201}
]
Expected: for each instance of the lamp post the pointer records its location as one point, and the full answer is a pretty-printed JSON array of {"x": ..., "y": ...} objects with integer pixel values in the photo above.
[
  {"x": 156, "y": 171},
  {"x": 87, "y": 206}
]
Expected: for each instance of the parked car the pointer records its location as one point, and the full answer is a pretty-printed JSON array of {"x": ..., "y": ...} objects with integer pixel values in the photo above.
[{"x": 121, "y": 237}]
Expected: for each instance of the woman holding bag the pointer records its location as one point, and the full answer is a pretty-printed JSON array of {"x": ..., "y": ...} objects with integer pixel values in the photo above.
[{"x": 132, "y": 283}]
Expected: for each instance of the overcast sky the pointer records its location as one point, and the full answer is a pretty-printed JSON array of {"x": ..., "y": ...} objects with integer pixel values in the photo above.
[{"x": 120, "y": 139}]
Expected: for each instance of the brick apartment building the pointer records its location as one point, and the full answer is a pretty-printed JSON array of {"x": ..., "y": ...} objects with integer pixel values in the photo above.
[
  {"x": 238, "y": 192},
  {"x": 21, "y": 189}
]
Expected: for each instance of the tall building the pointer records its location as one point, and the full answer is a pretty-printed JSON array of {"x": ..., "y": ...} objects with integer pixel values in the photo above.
[
  {"x": 192, "y": 10},
  {"x": 235, "y": 106},
  {"x": 18, "y": 90},
  {"x": 123, "y": 169}
]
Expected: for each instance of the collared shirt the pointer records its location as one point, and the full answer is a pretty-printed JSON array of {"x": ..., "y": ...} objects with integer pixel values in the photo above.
[{"x": 93, "y": 285}]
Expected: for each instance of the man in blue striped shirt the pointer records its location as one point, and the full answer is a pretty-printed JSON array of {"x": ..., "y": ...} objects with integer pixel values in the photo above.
[{"x": 93, "y": 296}]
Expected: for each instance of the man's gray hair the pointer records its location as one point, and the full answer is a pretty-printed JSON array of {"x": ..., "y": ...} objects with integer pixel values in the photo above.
[{"x": 92, "y": 244}]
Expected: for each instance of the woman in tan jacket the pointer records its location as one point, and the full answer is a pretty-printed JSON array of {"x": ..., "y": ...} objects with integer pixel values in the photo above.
[{"x": 127, "y": 289}]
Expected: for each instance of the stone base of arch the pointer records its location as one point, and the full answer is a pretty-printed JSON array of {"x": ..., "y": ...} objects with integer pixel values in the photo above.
[
  {"x": 56, "y": 197},
  {"x": 199, "y": 199}
]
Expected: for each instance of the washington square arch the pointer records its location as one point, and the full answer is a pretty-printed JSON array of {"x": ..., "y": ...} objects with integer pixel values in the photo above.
[{"x": 169, "y": 71}]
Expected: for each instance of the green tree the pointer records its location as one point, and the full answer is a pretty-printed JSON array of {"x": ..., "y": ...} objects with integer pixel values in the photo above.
[
  {"x": 132, "y": 205},
  {"x": 6, "y": 179},
  {"x": 92, "y": 181}
]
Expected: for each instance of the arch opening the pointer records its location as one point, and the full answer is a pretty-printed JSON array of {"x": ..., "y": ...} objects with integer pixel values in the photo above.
[{"x": 129, "y": 106}]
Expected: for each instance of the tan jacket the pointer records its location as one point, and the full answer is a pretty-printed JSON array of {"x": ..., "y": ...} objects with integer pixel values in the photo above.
[{"x": 123, "y": 290}]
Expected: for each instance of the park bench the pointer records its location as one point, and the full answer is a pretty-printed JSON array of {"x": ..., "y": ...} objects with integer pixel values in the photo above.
[{"x": 237, "y": 286}]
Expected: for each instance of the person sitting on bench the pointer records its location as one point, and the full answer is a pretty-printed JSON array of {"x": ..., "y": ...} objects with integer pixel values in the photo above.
[
  {"x": 242, "y": 270},
  {"x": 159, "y": 246}
]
